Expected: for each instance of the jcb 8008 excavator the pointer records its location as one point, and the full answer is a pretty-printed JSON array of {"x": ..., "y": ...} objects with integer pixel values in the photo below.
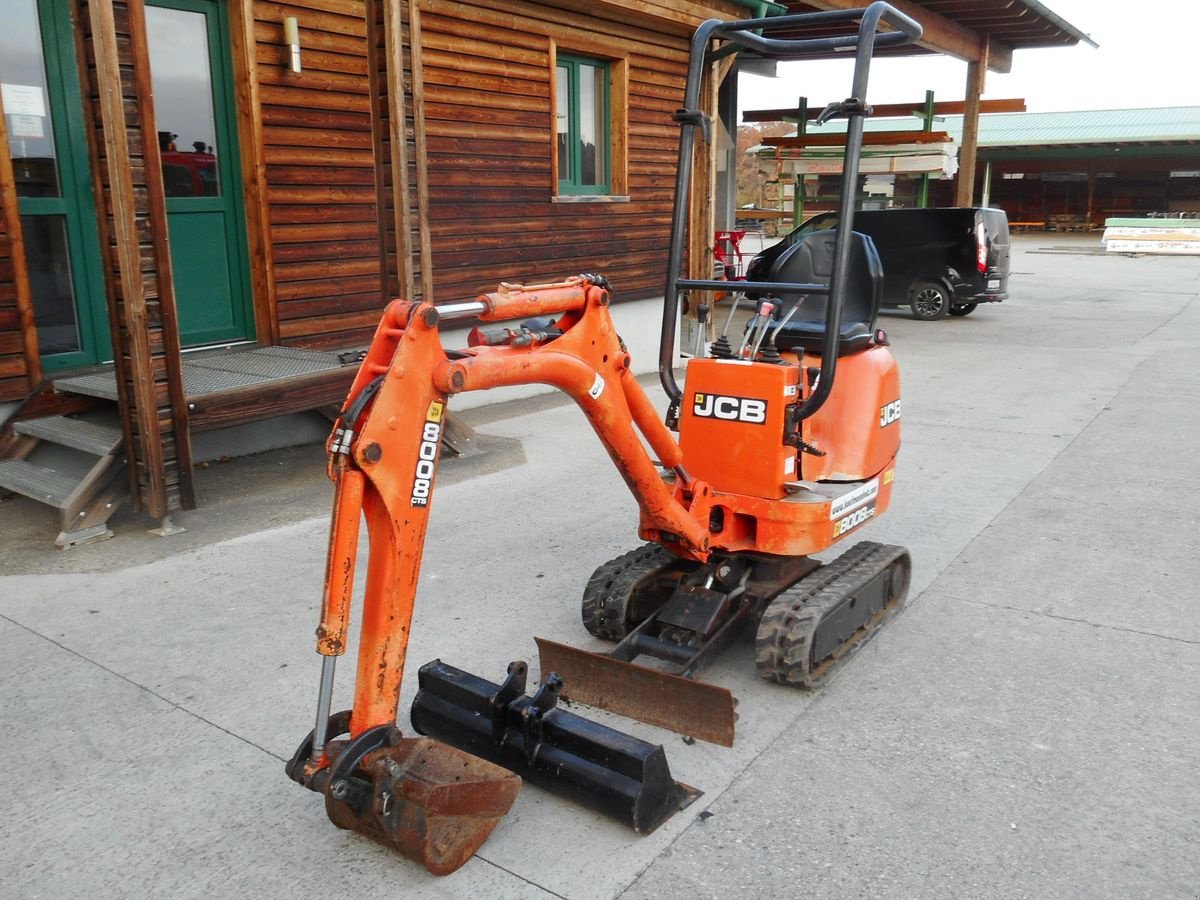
[{"x": 788, "y": 434}]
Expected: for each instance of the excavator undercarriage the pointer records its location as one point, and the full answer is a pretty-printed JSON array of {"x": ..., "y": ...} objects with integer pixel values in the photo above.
[{"x": 809, "y": 618}]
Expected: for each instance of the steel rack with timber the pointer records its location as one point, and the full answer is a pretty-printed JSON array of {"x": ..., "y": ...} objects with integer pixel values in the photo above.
[{"x": 787, "y": 439}]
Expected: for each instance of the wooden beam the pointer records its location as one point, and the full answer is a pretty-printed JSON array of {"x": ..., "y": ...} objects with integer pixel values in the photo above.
[
  {"x": 941, "y": 34},
  {"x": 85, "y": 61},
  {"x": 157, "y": 214},
  {"x": 143, "y": 403},
  {"x": 254, "y": 170},
  {"x": 964, "y": 189},
  {"x": 299, "y": 393},
  {"x": 398, "y": 145},
  {"x": 871, "y": 138},
  {"x": 20, "y": 269},
  {"x": 704, "y": 178},
  {"x": 420, "y": 149},
  {"x": 381, "y": 141},
  {"x": 888, "y": 110}
]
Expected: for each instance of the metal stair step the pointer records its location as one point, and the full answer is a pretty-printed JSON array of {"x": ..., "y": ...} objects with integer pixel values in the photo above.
[
  {"x": 39, "y": 483},
  {"x": 95, "y": 384},
  {"x": 91, "y": 437}
]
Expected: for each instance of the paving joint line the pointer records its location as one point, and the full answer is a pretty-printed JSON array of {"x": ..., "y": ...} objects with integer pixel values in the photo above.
[
  {"x": 520, "y": 877},
  {"x": 1153, "y": 331},
  {"x": 1074, "y": 619},
  {"x": 141, "y": 687}
]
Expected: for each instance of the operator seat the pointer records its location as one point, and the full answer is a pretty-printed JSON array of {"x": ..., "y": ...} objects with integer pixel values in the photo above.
[{"x": 810, "y": 261}]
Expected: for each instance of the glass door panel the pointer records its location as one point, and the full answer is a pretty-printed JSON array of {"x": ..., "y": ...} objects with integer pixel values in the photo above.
[
  {"x": 39, "y": 89},
  {"x": 199, "y": 165}
]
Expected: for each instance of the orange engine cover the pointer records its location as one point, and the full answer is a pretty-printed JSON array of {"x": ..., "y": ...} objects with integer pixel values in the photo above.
[
  {"x": 731, "y": 425},
  {"x": 858, "y": 427}
]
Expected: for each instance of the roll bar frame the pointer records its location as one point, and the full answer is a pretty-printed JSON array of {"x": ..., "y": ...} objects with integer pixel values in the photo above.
[{"x": 752, "y": 34}]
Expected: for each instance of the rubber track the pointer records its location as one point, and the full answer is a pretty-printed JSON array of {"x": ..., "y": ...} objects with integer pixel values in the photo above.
[
  {"x": 783, "y": 645},
  {"x": 607, "y": 594}
]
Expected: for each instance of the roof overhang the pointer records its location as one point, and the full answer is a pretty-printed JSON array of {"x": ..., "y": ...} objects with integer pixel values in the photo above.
[{"x": 973, "y": 30}]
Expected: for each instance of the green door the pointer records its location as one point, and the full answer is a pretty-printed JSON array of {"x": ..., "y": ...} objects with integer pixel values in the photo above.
[
  {"x": 193, "y": 108},
  {"x": 39, "y": 87}
]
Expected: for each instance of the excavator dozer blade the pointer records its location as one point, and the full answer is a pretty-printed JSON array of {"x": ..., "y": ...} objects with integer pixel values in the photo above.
[
  {"x": 693, "y": 708},
  {"x": 612, "y": 772}
]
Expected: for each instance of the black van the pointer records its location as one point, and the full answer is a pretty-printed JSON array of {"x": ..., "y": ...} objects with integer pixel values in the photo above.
[{"x": 938, "y": 262}]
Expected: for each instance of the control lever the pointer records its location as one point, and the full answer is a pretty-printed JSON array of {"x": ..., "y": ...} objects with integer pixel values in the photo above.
[{"x": 765, "y": 308}]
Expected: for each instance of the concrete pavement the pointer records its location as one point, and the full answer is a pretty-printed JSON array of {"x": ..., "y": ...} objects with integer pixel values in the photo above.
[{"x": 1027, "y": 728}]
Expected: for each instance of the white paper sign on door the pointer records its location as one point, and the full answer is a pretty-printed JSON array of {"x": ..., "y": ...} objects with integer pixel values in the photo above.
[{"x": 23, "y": 100}]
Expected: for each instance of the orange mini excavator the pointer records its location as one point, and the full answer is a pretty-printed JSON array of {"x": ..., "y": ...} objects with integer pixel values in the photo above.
[{"x": 788, "y": 434}]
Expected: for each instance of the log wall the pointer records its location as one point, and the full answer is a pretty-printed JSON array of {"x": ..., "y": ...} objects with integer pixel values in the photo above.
[
  {"x": 485, "y": 102},
  {"x": 318, "y": 148}
]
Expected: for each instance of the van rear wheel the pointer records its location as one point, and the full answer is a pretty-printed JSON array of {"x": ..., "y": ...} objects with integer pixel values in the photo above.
[
  {"x": 963, "y": 309},
  {"x": 929, "y": 300}
]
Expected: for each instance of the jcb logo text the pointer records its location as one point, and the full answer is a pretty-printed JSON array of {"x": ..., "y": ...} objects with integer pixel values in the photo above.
[
  {"x": 889, "y": 414},
  {"x": 731, "y": 409}
]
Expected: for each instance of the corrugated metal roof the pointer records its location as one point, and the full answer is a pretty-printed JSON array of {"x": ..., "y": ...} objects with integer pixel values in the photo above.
[{"x": 1101, "y": 126}]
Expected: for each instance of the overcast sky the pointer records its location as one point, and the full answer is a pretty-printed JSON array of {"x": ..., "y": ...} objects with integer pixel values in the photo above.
[{"x": 1148, "y": 56}]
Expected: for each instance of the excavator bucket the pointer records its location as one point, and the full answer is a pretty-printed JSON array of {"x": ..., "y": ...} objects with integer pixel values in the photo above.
[
  {"x": 432, "y": 802},
  {"x": 682, "y": 705},
  {"x": 597, "y": 766}
]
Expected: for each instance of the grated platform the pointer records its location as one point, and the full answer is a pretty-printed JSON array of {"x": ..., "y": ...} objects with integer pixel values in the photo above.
[{"x": 213, "y": 372}]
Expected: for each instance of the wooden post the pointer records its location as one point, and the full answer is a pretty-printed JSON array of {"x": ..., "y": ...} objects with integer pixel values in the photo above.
[
  {"x": 704, "y": 185},
  {"x": 422, "y": 155},
  {"x": 385, "y": 40},
  {"x": 131, "y": 306},
  {"x": 172, "y": 354},
  {"x": 965, "y": 186},
  {"x": 254, "y": 170}
]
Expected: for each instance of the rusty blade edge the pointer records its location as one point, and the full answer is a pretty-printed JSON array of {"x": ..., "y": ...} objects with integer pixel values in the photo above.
[{"x": 687, "y": 707}]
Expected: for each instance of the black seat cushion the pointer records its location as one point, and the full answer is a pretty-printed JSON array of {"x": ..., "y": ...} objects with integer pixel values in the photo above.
[{"x": 810, "y": 261}]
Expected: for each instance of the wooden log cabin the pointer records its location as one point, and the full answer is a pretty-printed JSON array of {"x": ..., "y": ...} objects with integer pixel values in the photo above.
[{"x": 205, "y": 204}]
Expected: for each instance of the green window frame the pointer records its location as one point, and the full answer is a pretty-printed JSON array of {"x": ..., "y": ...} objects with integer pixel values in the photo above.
[{"x": 583, "y": 129}]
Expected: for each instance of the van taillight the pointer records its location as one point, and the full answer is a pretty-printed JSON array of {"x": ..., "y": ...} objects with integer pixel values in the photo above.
[{"x": 981, "y": 250}]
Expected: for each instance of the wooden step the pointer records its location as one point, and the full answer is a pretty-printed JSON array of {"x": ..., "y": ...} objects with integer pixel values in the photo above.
[
  {"x": 39, "y": 483},
  {"x": 90, "y": 437}
]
